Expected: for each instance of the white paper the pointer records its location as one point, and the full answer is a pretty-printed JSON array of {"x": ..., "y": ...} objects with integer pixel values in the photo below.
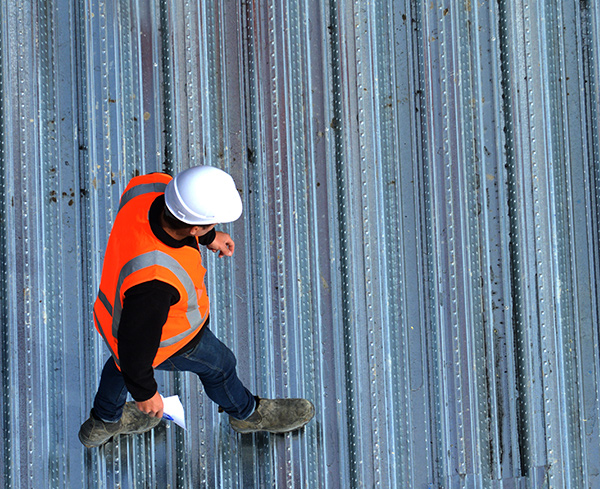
[{"x": 173, "y": 409}]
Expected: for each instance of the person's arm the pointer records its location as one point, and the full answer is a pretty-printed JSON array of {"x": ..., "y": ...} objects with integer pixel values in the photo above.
[
  {"x": 145, "y": 310},
  {"x": 208, "y": 238}
]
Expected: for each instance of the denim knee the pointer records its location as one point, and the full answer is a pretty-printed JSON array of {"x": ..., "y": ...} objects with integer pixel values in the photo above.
[{"x": 227, "y": 364}]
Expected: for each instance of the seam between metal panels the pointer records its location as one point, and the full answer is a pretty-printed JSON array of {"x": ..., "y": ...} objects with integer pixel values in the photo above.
[
  {"x": 176, "y": 136},
  {"x": 51, "y": 224},
  {"x": 491, "y": 422},
  {"x": 421, "y": 201},
  {"x": 588, "y": 68},
  {"x": 125, "y": 35},
  {"x": 83, "y": 156},
  {"x": 395, "y": 286},
  {"x": 208, "y": 85},
  {"x": 528, "y": 185},
  {"x": 397, "y": 343},
  {"x": 314, "y": 351},
  {"x": 85, "y": 236},
  {"x": 445, "y": 246},
  {"x": 560, "y": 190},
  {"x": 495, "y": 336},
  {"x": 500, "y": 335},
  {"x": 427, "y": 225},
  {"x": 27, "y": 252},
  {"x": 585, "y": 353},
  {"x": 280, "y": 114},
  {"x": 364, "y": 85},
  {"x": 278, "y": 301},
  {"x": 430, "y": 225},
  {"x": 339, "y": 179},
  {"x": 106, "y": 77},
  {"x": 463, "y": 151},
  {"x": 546, "y": 324},
  {"x": 514, "y": 243},
  {"x": 154, "y": 142},
  {"x": 334, "y": 152},
  {"x": 167, "y": 89},
  {"x": 255, "y": 187},
  {"x": 7, "y": 447},
  {"x": 281, "y": 300},
  {"x": 196, "y": 146},
  {"x": 469, "y": 151}
]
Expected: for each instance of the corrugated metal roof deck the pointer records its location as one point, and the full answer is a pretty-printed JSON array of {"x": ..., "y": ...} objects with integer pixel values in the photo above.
[{"x": 418, "y": 253}]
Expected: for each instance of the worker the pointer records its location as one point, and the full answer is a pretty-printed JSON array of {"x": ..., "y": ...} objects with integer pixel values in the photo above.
[{"x": 152, "y": 309}]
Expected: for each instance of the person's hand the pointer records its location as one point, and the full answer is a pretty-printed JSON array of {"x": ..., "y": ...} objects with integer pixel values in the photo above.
[
  {"x": 153, "y": 406},
  {"x": 223, "y": 244}
]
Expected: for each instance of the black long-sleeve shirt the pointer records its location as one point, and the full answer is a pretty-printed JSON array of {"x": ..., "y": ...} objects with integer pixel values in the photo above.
[{"x": 145, "y": 310}]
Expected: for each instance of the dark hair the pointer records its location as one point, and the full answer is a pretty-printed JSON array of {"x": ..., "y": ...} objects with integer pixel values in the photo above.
[{"x": 175, "y": 223}]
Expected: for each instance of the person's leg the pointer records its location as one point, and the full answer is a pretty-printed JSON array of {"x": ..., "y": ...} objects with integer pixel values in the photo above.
[
  {"x": 215, "y": 364},
  {"x": 111, "y": 395}
]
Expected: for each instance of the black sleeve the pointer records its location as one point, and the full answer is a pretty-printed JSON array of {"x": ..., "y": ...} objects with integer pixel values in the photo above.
[
  {"x": 208, "y": 238},
  {"x": 145, "y": 310}
]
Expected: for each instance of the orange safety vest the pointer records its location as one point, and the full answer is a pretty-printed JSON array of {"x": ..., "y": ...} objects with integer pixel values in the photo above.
[{"x": 134, "y": 255}]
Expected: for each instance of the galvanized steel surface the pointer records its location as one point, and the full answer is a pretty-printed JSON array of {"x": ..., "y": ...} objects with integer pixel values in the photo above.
[{"x": 418, "y": 253}]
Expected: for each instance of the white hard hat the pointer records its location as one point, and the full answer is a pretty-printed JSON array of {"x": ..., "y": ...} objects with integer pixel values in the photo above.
[{"x": 203, "y": 195}]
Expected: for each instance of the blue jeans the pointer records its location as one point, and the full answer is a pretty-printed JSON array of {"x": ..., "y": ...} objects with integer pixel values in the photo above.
[{"x": 211, "y": 360}]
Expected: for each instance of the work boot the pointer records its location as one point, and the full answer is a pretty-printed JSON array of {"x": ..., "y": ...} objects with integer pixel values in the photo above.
[
  {"x": 276, "y": 416},
  {"x": 134, "y": 421},
  {"x": 95, "y": 432}
]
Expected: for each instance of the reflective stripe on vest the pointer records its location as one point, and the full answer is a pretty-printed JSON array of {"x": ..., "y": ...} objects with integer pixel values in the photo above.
[
  {"x": 164, "y": 260},
  {"x": 142, "y": 188},
  {"x": 105, "y": 302},
  {"x": 106, "y": 342}
]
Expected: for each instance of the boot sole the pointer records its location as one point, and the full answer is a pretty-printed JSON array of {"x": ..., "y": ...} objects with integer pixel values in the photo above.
[{"x": 86, "y": 444}]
